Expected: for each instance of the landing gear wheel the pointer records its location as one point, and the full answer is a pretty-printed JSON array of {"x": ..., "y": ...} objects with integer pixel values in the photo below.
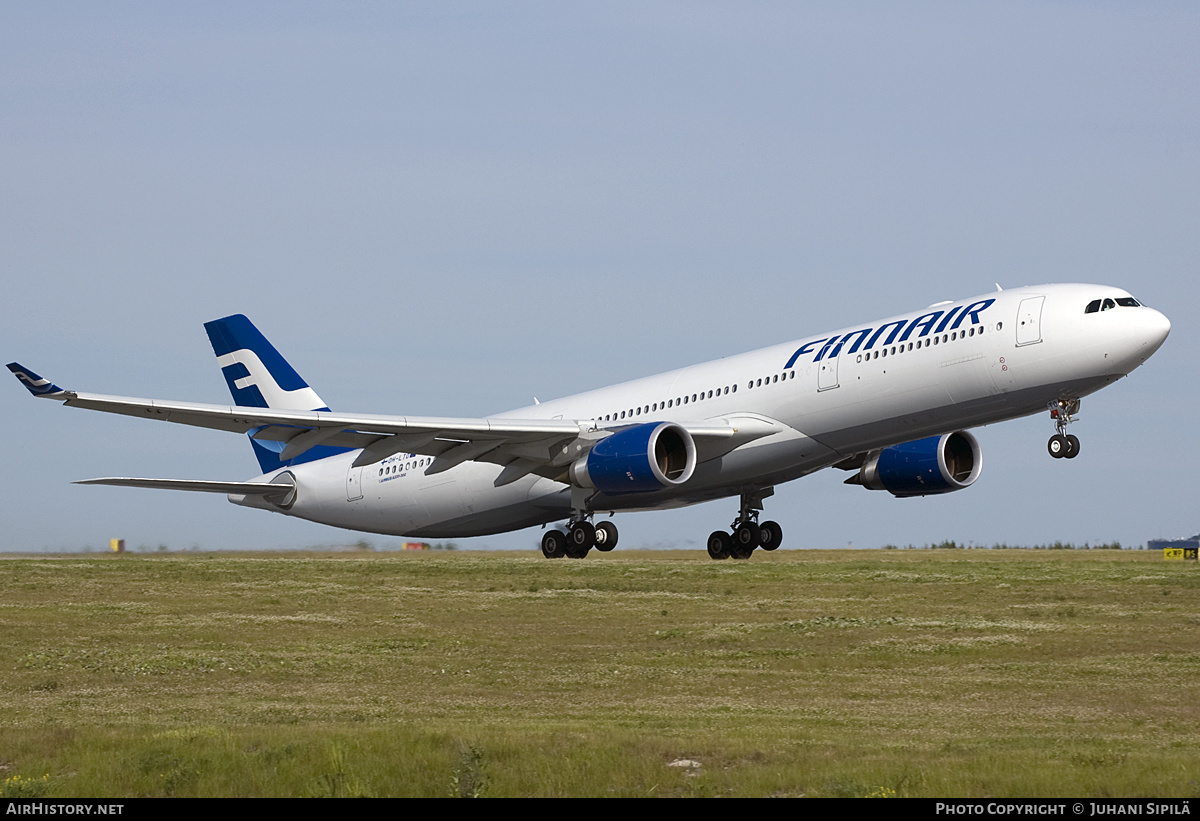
[
  {"x": 580, "y": 539},
  {"x": 720, "y": 545},
  {"x": 770, "y": 535},
  {"x": 745, "y": 537},
  {"x": 554, "y": 544},
  {"x": 606, "y": 536},
  {"x": 582, "y": 536},
  {"x": 1057, "y": 446},
  {"x": 1072, "y": 446}
]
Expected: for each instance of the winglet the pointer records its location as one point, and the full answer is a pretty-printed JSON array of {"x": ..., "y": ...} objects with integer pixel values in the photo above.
[{"x": 36, "y": 385}]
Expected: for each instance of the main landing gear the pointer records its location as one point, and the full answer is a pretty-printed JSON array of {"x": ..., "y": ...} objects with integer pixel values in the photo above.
[
  {"x": 1063, "y": 445},
  {"x": 746, "y": 533},
  {"x": 581, "y": 537}
]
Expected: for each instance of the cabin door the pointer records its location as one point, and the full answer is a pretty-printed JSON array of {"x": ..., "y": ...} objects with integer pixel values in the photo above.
[
  {"x": 1029, "y": 321},
  {"x": 354, "y": 484},
  {"x": 827, "y": 375}
]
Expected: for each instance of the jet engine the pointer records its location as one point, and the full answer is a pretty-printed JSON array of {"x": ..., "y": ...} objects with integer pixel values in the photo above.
[
  {"x": 938, "y": 464},
  {"x": 640, "y": 459}
]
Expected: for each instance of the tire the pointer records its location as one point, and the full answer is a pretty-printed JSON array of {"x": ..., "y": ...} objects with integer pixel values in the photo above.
[
  {"x": 606, "y": 536},
  {"x": 1072, "y": 446},
  {"x": 771, "y": 536},
  {"x": 554, "y": 544},
  {"x": 1057, "y": 446},
  {"x": 582, "y": 536},
  {"x": 746, "y": 537},
  {"x": 720, "y": 544}
]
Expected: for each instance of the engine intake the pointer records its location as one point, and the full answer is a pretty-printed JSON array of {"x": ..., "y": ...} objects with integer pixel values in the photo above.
[
  {"x": 640, "y": 459},
  {"x": 938, "y": 464}
]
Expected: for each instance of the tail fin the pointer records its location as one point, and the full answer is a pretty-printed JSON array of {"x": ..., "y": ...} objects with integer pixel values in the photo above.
[{"x": 259, "y": 377}]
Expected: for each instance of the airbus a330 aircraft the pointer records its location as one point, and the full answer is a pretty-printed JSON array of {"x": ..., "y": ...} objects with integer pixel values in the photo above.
[{"x": 889, "y": 400}]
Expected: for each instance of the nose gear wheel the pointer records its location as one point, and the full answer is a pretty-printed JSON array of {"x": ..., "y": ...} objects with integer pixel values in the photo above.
[{"x": 1063, "y": 445}]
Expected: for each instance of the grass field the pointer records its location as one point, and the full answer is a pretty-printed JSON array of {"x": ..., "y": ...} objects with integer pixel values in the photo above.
[{"x": 844, "y": 673}]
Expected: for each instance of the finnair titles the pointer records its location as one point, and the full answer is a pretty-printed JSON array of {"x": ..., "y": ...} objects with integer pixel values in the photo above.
[
  {"x": 923, "y": 324},
  {"x": 889, "y": 401}
]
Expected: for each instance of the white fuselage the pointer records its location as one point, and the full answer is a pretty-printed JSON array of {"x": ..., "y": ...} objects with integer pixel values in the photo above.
[{"x": 826, "y": 398}]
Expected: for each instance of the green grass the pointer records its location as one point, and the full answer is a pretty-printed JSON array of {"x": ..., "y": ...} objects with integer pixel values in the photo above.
[{"x": 915, "y": 673}]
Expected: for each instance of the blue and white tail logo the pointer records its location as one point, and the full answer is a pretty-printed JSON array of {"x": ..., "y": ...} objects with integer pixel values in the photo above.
[
  {"x": 36, "y": 385},
  {"x": 258, "y": 377}
]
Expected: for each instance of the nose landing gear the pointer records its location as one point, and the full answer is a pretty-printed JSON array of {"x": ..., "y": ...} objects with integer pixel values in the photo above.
[{"x": 1063, "y": 445}]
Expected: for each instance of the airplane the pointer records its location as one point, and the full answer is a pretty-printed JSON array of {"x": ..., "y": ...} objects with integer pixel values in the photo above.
[{"x": 889, "y": 400}]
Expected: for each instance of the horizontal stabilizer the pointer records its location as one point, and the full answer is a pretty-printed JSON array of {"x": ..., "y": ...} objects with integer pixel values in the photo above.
[{"x": 238, "y": 488}]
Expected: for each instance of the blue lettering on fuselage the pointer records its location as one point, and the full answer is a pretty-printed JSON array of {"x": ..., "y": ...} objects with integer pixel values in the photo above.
[
  {"x": 904, "y": 328},
  {"x": 805, "y": 348},
  {"x": 837, "y": 349},
  {"x": 972, "y": 311},
  {"x": 945, "y": 320}
]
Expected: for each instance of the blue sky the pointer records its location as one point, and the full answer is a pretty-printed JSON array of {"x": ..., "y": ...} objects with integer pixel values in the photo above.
[{"x": 447, "y": 209}]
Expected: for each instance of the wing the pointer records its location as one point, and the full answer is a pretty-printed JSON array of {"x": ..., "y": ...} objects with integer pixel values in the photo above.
[{"x": 523, "y": 446}]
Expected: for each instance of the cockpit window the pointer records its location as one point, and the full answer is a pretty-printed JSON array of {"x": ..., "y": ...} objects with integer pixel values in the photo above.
[{"x": 1108, "y": 304}]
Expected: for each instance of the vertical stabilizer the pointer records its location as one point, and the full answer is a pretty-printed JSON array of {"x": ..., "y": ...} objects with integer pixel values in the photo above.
[{"x": 259, "y": 377}]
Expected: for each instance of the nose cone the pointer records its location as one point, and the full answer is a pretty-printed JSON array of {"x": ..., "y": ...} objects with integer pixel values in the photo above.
[
  {"x": 1132, "y": 337},
  {"x": 1154, "y": 327}
]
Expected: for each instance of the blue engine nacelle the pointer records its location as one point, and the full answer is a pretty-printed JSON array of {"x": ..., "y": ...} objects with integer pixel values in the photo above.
[
  {"x": 939, "y": 464},
  {"x": 640, "y": 459}
]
